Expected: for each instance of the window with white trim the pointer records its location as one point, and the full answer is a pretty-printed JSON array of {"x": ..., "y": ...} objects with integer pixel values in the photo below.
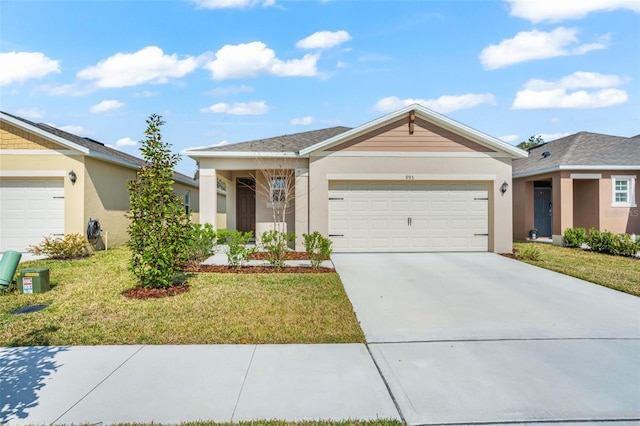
[
  {"x": 278, "y": 191},
  {"x": 623, "y": 191},
  {"x": 187, "y": 202}
]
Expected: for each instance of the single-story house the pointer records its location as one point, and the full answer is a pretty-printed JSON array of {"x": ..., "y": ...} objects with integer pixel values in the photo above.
[
  {"x": 587, "y": 180},
  {"x": 412, "y": 180},
  {"x": 53, "y": 182}
]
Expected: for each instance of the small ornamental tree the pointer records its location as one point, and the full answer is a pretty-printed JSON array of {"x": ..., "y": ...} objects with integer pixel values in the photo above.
[{"x": 160, "y": 227}]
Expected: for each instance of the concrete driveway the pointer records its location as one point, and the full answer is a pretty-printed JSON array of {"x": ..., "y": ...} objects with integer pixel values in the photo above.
[{"x": 479, "y": 338}]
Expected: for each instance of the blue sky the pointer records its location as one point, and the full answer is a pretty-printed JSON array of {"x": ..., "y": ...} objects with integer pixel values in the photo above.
[{"x": 225, "y": 71}]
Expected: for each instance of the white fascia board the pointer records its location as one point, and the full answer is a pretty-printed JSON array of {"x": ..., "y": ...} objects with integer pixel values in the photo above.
[
  {"x": 568, "y": 167},
  {"x": 430, "y": 116},
  {"x": 239, "y": 154},
  {"x": 54, "y": 138}
]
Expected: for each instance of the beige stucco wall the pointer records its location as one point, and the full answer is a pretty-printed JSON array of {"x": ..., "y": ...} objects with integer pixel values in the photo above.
[
  {"x": 494, "y": 171},
  {"x": 100, "y": 191},
  {"x": 24, "y": 156}
]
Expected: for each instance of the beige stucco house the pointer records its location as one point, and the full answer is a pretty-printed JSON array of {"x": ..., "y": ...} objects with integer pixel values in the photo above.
[
  {"x": 413, "y": 180},
  {"x": 53, "y": 182},
  {"x": 586, "y": 180}
]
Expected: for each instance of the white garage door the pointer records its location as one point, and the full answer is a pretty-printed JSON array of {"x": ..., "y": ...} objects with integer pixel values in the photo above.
[
  {"x": 399, "y": 216},
  {"x": 30, "y": 210}
]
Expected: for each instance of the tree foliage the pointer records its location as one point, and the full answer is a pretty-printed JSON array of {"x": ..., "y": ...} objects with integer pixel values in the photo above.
[
  {"x": 160, "y": 227},
  {"x": 532, "y": 142}
]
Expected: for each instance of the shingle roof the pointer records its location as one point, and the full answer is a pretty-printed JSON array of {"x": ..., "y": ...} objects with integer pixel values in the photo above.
[
  {"x": 287, "y": 143},
  {"x": 580, "y": 149},
  {"x": 95, "y": 146}
]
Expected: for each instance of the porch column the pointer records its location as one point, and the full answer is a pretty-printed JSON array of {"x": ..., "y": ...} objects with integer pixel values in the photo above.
[
  {"x": 208, "y": 197},
  {"x": 302, "y": 206},
  {"x": 562, "y": 188}
]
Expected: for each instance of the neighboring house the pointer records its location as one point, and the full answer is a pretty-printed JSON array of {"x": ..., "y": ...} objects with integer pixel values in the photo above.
[
  {"x": 413, "y": 180},
  {"x": 53, "y": 182},
  {"x": 586, "y": 180}
]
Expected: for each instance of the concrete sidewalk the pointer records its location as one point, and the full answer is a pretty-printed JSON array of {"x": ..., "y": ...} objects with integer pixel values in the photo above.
[{"x": 174, "y": 384}]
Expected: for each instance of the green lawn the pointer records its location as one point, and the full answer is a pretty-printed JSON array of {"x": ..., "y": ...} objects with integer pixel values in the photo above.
[
  {"x": 619, "y": 273},
  {"x": 86, "y": 308}
]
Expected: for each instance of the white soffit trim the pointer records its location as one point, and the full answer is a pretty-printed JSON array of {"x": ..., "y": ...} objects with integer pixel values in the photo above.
[
  {"x": 586, "y": 175},
  {"x": 38, "y": 152},
  {"x": 414, "y": 177},
  {"x": 579, "y": 168},
  {"x": 54, "y": 138},
  {"x": 430, "y": 116},
  {"x": 410, "y": 154},
  {"x": 33, "y": 173}
]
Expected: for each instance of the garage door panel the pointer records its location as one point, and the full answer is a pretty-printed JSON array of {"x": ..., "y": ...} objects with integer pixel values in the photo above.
[
  {"x": 30, "y": 210},
  {"x": 417, "y": 216}
]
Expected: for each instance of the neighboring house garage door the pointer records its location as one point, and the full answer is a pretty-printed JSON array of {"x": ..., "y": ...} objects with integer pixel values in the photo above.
[
  {"x": 31, "y": 209},
  {"x": 399, "y": 216}
]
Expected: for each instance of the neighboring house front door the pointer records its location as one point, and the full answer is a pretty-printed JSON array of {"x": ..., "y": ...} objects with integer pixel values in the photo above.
[
  {"x": 246, "y": 205},
  {"x": 542, "y": 211}
]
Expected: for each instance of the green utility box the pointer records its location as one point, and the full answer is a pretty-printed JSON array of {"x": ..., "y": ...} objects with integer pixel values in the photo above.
[{"x": 33, "y": 280}]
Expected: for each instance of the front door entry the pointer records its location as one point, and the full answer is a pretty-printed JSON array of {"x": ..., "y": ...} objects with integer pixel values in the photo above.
[
  {"x": 246, "y": 205},
  {"x": 542, "y": 211}
]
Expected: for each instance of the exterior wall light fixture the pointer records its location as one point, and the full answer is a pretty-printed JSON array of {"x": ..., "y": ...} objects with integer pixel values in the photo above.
[
  {"x": 504, "y": 187},
  {"x": 72, "y": 176}
]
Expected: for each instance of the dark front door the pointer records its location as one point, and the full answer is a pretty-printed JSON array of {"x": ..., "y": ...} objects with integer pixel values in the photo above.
[
  {"x": 246, "y": 205},
  {"x": 542, "y": 211}
]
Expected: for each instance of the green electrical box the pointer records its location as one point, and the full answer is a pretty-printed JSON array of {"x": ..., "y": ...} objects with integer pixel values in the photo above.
[{"x": 33, "y": 280}]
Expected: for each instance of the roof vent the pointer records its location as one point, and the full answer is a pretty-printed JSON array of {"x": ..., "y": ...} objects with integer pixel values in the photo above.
[{"x": 546, "y": 154}]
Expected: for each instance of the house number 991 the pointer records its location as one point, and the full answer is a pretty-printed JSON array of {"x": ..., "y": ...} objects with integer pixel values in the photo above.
[{"x": 409, "y": 177}]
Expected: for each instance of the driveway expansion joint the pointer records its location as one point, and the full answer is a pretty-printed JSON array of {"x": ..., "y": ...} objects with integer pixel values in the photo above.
[
  {"x": 244, "y": 381},
  {"x": 386, "y": 384}
]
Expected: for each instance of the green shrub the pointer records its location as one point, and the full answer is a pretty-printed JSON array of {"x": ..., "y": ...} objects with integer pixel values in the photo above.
[
  {"x": 239, "y": 250},
  {"x": 574, "y": 237},
  {"x": 317, "y": 247},
  {"x": 625, "y": 246},
  {"x": 276, "y": 245},
  {"x": 610, "y": 243},
  {"x": 71, "y": 246},
  {"x": 529, "y": 252},
  {"x": 201, "y": 244},
  {"x": 601, "y": 242}
]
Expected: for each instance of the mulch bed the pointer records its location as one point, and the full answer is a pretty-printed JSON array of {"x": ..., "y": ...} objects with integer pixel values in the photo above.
[
  {"x": 155, "y": 293},
  {"x": 292, "y": 255},
  {"x": 224, "y": 269}
]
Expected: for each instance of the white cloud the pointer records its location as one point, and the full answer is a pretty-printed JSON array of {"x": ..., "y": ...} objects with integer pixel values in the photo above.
[
  {"x": 231, "y": 4},
  {"x": 324, "y": 40},
  {"x": 341, "y": 64},
  {"x": 304, "y": 121},
  {"x": 148, "y": 65},
  {"x": 578, "y": 79},
  {"x": 557, "y": 10},
  {"x": 18, "y": 67},
  {"x": 125, "y": 142},
  {"x": 529, "y": 45},
  {"x": 74, "y": 89},
  {"x": 548, "y": 137},
  {"x": 443, "y": 104},
  {"x": 538, "y": 94},
  {"x": 238, "y": 108},
  {"x": 30, "y": 113},
  {"x": 510, "y": 138},
  {"x": 145, "y": 94},
  {"x": 252, "y": 59},
  {"x": 231, "y": 90},
  {"x": 107, "y": 105},
  {"x": 73, "y": 128}
]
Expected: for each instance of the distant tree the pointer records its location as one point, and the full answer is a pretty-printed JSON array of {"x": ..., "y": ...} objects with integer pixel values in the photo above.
[
  {"x": 533, "y": 141},
  {"x": 160, "y": 228}
]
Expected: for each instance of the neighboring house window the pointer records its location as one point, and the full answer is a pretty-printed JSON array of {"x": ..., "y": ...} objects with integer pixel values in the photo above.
[
  {"x": 623, "y": 191},
  {"x": 278, "y": 191},
  {"x": 187, "y": 202}
]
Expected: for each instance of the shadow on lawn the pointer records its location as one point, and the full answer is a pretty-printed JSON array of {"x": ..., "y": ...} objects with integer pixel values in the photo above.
[{"x": 23, "y": 372}]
